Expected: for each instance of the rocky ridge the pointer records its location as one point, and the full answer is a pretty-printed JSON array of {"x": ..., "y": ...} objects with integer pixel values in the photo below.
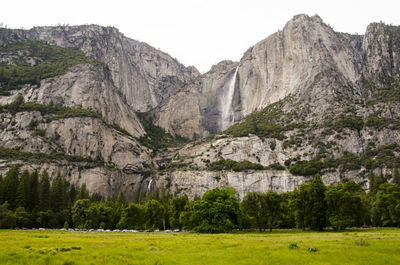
[{"x": 306, "y": 100}]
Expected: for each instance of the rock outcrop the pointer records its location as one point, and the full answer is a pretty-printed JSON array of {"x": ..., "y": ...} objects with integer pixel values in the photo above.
[
  {"x": 307, "y": 59},
  {"x": 307, "y": 94},
  {"x": 137, "y": 69}
]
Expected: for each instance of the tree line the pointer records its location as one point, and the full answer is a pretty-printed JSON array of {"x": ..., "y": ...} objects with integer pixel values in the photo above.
[{"x": 29, "y": 200}]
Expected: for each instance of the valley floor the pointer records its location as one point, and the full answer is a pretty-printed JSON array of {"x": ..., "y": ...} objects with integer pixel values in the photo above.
[{"x": 369, "y": 246}]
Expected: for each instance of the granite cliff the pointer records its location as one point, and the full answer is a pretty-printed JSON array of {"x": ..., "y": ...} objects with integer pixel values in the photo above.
[{"x": 305, "y": 100}]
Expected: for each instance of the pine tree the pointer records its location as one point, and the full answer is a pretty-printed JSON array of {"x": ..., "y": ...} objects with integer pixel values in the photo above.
[
  {"x": 72, "y": 194},
  {"x": 318, "y": 210},
  {"x": 58, "y": 194},
  {"x": 20, "y": 200},
  {"x": 271, "y": 202},
  {"x": 1, "y": 189},
  {"x": 396, "y": 176},
  {"x": 83, "y": 193},
  {"x": 22, "y": 195},
  {"x": 375, "y": 181},
  {"x": 33, "y": 191},
  {"x": 121, "y": 199},
  {"x": 44, "y": 192},
  {"x": 10, "y": 186}
]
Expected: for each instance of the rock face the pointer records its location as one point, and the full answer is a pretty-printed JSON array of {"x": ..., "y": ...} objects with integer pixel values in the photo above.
[
  {"x": 307, "y": 59},
  {"x": 194, "y": 112},
  {"x": 88, "y": 87},
  {"x": 306, "y": 93},
  {"x": 198, "y": 182},
  {"x": 137, "y": 69}
]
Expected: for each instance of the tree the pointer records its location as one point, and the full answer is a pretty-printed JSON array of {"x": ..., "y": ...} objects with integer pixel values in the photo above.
[
  {"x": 58, "y": 196},
  {"x": 47, "y": 219},
  {"x": 32, "y": 192},
  {"x": 107, "y": 217},
  {"x": 1, "y": 189},
  {"x": 217, "y": 211},
  {"x": 301, "y": 205},
  {"x": 79, "y": 211},
  {"x": 121, "y": 199},
  {"x": 22, "y": 217},
  {"x": 374, "y": 182},
  {"x": 133, "y": 217},
  {"x": 83, "y": 193},
  {"x": 252, "y": 207},
  {"x": 154, "y": 215},
  {"x": 287, "y": 214},
  {"x": 44, "y": 192},
  {"x": 396, "y": 176},
  {"x": 318, "y": 208},
  {"x": 7, "y": 217},
  {"x": 387, "y": 205},
  {"x": 20, "y": 198},
  {"x": 177, "y": 206},
  {"x": 92, "y": 216},
  {"x": 271, "y": 208},
  {"x": 344, "y": 205},
  {"x": 10, "y": 186}
]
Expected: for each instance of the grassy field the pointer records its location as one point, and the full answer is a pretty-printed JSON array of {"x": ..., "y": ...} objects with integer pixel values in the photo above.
[{"x": 371, "y": 246}]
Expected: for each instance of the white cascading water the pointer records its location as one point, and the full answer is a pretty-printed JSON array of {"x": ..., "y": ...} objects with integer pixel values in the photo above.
[{"x": 227, "y": 113}]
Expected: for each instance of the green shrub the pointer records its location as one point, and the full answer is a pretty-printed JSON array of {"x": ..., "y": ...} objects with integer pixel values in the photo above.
[
  {"x": 229, "y": 164},
  {"x": 276, "y": 166},
  {"x": 380, "y": 123},
  {"x": 349, "y": 122},
  {"x": 306, "y": 168},
  {"x": 312, "y": 249},
  {"x": 293, "y": 246}
]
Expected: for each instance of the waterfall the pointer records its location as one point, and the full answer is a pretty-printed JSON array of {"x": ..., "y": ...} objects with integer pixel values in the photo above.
[
  {"x": 149, "y": 186},
  {"x": 227, "y": 113}
]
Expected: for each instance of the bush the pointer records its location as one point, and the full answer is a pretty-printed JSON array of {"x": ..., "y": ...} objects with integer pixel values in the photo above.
[
  {"x": 382, "y": 122},
  {"x": 306, "y": 168},
  {"x": 229, "y": 164},
  {"x": 276, "y": 166},
  {"x": 7, "y": 217},
  {"x": 349, "y": 122},
  {"x": 312, "y": 249},
  {"x": 293, "y": 246}
]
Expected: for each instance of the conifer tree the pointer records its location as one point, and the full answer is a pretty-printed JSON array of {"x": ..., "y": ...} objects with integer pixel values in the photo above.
[
  {"x": 1, "y": 189},
  {"x": 396, "y": 176},
  {"x": 58, "y": 194},
  {"x": 33, "y": 191},
  {"x": 44, "y": 192},
  {"x": 10, "y": 187},
  {"x": 83, "y": 193},
  {"x": 23, "y": 190},
  {"x": 20, "y": 199},
  {"x": 121, "y": 199},
  {"x": 318, "y": 208}
]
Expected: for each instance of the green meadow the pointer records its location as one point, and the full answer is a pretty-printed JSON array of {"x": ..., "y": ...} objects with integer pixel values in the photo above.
[{"x": 369, "y": 246}]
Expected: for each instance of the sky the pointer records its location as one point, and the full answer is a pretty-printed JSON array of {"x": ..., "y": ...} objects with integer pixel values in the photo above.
[{"x": 198, "y": 32}]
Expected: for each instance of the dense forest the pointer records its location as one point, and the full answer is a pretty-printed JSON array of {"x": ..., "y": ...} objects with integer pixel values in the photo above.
[{"x": 32, "y": 200}]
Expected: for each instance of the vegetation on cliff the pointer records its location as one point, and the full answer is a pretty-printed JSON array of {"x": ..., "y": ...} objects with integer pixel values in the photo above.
[
  {"x": 31, "y": 61},
  {"x": 156, "y": 138}
]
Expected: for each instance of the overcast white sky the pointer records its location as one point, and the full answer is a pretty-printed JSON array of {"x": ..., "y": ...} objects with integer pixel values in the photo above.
[{"x": 198, "y": 32}]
